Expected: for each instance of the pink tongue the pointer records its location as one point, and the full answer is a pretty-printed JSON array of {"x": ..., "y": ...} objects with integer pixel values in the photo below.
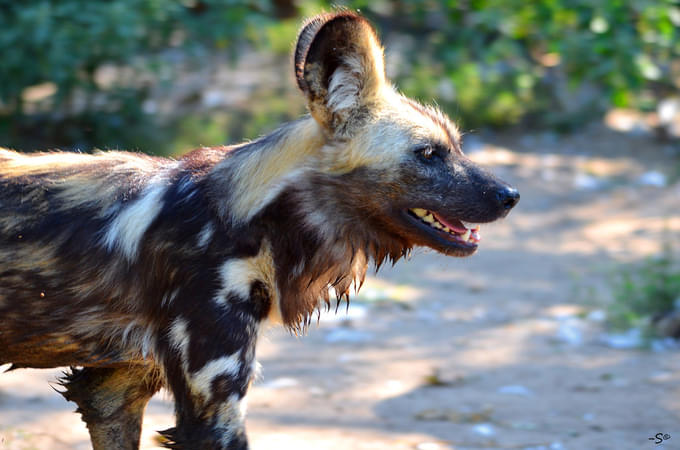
[{"x": 460, "y": 228}]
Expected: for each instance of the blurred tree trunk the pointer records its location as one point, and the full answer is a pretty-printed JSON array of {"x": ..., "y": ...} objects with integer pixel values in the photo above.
[{"x": 285, "y": 9}]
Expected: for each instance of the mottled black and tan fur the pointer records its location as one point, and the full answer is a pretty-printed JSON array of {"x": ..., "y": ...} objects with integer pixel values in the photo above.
[{"x": 148, "y": 272}]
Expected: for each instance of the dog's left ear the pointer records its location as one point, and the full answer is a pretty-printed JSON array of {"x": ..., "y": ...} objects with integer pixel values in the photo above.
[{"x": 340, "y": 67}]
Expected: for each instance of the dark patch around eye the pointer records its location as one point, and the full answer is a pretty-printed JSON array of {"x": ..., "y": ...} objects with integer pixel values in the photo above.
[{"x": 431, "y": 151}]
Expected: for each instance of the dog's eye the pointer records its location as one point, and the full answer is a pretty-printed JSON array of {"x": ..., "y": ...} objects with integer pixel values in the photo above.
[{"x": 426, "y": 152}]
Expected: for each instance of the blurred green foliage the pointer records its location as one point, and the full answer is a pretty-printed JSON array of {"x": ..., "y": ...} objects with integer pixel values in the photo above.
[
  {"x": 645, "y": 293},
  {"x": 552, "y": 63},
  {"x": 60, "y": 45}
]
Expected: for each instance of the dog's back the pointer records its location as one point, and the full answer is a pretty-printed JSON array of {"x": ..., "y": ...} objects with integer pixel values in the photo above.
[{"x": 59, "y": 282}]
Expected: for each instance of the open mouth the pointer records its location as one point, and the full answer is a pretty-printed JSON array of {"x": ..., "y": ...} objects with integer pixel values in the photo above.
[{"x": 455, "y": 231}]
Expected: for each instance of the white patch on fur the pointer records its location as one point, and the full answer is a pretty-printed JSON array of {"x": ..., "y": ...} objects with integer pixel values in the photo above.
[
  {"x": 257, "y": 176},
  {"x": 201, "y": 381},
  {"x": 206, "y": 235},
  {"x": 128, "y": 227},
  {"x": 243, "y": 406},
  {"x": 273, "y": 190},
  {"x": 238, "y": 274},
  {"x": 179, "y": 337},
  {"x": 344, "y": 87}
]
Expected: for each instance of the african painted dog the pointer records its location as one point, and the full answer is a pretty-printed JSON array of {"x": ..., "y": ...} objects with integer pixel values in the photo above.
[{"x": 148, "y": 272}]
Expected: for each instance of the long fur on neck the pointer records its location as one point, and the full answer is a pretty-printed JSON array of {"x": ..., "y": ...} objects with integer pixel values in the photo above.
[{"x": 318, "y": 253}]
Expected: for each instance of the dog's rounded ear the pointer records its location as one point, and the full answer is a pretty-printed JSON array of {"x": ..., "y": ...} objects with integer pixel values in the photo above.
[{"x": 339, "y": 66}]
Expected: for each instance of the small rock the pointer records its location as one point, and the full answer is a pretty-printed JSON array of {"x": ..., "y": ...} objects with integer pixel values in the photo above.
[
  {"x": 586, "y": 182},
  {"x": 280, "y": 383},
  {"x": 526, "y": 426},
  {"x": 212, "y": 99},
  {"x": 515, "y": 389},
  {"x": 347, "y": 335},
  {"x": 652, "y": 178},
  {"x": 665, "y": 344},
  {"x": 347, "y": 357},
  {"x": 370, "y": 294},
  {"x": 628, "y": 340},
  {"x": 660, "y": 377},
  {"x": 484, "y": 429},
  {"x": 316, "y": 391},
  {"x": 570, "y": 332},
  {"x": 597, "y": 315},
  {"x": 355, "y": 313}
]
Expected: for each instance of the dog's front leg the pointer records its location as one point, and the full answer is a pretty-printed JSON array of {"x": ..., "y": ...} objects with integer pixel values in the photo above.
[{"x": 210, "y": 363}]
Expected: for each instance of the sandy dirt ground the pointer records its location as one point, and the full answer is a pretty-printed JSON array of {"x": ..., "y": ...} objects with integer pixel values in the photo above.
[{"x": 499, "y": 350}]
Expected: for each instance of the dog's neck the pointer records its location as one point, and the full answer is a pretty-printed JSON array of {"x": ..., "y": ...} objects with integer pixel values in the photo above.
[{"x": 317, "y": 255}]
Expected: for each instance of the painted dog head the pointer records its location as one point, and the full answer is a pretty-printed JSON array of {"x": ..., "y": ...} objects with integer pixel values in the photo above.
[
  {"x": 427, "y": 191},
  {"x": 369, "y": 175}
]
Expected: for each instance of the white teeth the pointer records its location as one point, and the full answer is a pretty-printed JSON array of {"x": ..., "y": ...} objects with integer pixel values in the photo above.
[
  {"x": 471, "y": 232},
  {"x": 470, "y": 226}
]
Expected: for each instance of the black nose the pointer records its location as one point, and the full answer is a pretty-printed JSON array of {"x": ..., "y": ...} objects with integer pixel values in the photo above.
[{"x": 507, "y": 197}]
